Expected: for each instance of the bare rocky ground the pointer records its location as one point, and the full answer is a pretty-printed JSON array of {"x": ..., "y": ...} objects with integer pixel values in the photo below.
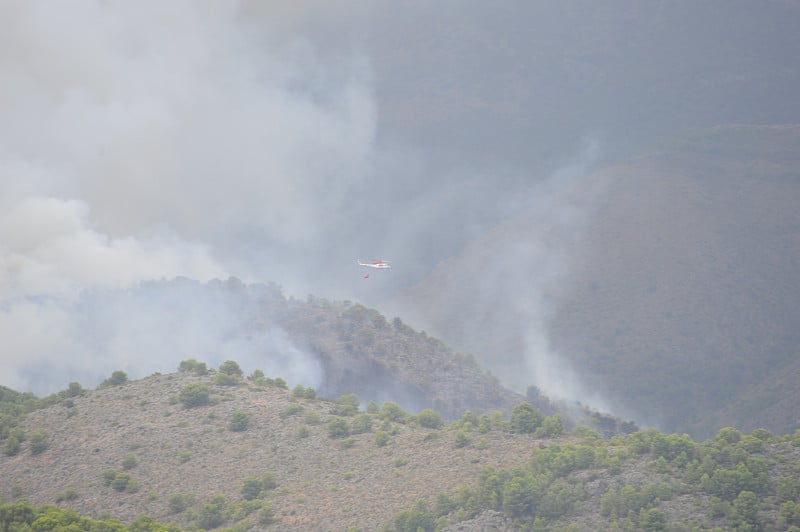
[{"x": 322, "y": 484}]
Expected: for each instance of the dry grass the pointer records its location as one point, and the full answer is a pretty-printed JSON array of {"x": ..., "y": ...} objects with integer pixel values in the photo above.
[{"x": 178, "y": 450}]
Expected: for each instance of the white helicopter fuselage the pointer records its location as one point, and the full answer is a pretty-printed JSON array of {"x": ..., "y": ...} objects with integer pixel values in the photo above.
[{"x": 380, "y": 264}]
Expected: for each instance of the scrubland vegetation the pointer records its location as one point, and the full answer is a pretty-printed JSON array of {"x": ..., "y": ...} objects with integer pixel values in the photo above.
[{"x": 525, "y": 470}]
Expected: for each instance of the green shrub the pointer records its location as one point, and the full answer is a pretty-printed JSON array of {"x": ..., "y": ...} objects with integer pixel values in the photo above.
[
  {"x": 129, "y": 462},
  {"x": 551, "y": 427},
  {"x": 251, "y": 488},
  {"x": 392, "y": 412},
  {"x": 787, "y": 488},
  {"x": 467, "y": 421},
  {"x": 241, "y": 509},
  {"x": 239, "y": 421},
  {"x": 789, "y": 516},
  {"x": 266, "y": 516},
  {"x": 525, "y": 418},
  {"x": 277, "y": 382},
  {"x": 520, "y": 494},
  {"x": 22, "y": 516},
  {"x": 652, "y": 519},
  {"x": 381, "y": 438},
  {"x": 745, "y": 511},
  {"x": 193, "y": 366},
  {"x": 194, "y": 394},
  {"x": 291, "y": 410},
  {"x": 256, "y": 376},
  {"x": 12, "y": 446},
  {"x": 346, "y": 405},
  {"x": 430, "y": 419},
  {"x": 461, "y": 439},
  {"x": 39, "y": 442},
  {"x": 268, "y": 481},
  {"x": 361, "y": 423},
  {"x": 120, "y": 481},
  {"x": 124, "y": 482},
  {"x": 444, "y": 505},
  {"x": 213, "y": 512},
  {"x": 304, "y": 393},
  {"x": 484, "y": 423},
  {"x": 762, "y": 434},
  {"x": 728, "y": 483},
  {"x": 74, "y": 389},
  {"x": 338, "y": 428},
  {"x": 419, "y": 518},
  {"x": 229, "y": 367},
  {"x": 224, "y": 379},
  {"x": 179, "y": 502},
  {"x": 67, "y": 495},
  {"x": 117, "y": 378},
  {"x": 108, "y": 476},
  {"x": 728, "y": 435},
  {"x": 256, "y": 488}
]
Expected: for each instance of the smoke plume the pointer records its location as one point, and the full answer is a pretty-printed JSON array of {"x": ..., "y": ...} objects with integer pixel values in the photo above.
[{"x": 193, "y": 139}]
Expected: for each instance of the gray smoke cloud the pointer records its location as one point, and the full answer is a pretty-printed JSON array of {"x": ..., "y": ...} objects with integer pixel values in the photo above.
[
  {"x": 145, "y": 142},
  {"x": 51, "y": 247},
  {"x": 181, "y": 117},
  {"x": 507, "y": 280},
  {"x": 146, "y": 328},
  {"x": 281, "y": 141}
]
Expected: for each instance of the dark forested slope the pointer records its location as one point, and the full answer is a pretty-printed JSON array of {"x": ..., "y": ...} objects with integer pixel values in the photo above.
[{"x": 670, "y": 292}]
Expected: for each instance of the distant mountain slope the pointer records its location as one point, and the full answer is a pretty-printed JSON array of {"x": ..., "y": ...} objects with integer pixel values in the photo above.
[
  {"x": 684, "y": 293},
  {"x": 672, "y": 293},
  {"x": 524, "y": 80},
  {"x": 772, "y": 402},
  {"x": 361, "y": 352},
  {"x": 336, "y": 347}
]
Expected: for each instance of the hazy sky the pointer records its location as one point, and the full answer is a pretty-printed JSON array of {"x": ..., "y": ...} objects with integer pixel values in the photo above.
[{"x": 279, "y": 141}]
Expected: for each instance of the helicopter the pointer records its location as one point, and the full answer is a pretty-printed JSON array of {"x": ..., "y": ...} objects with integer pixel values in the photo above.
[{"x": 380, "y": 264}]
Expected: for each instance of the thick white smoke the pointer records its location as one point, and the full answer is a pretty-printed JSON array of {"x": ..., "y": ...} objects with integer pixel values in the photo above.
[
  {"x": 153, "y": 140},
  {"x": 50, "y": 247}
]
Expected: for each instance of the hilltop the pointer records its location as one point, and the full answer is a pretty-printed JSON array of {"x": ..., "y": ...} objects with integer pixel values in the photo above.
[
  {"x": 321, "y": 481},
  {"x": 178, "y": 450},
  {"x": 256, "y": 455}
]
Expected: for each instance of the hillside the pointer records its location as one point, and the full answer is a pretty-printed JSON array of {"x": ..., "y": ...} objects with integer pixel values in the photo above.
[
  {"x": 665, "y": 285},
  {"x": 336, "y": 347},
  {"x": 142, "y": 447},
  {"x": 360, "y": 351},
  {"x": 179, "y": 450},
  {"x": 686, "y": 281},
  {"x": 522, "y": 81}
]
